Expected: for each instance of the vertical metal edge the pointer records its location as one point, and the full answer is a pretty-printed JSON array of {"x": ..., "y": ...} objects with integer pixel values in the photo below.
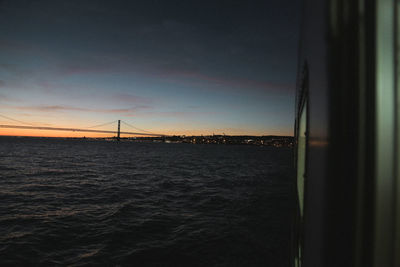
[
  {"x": 397, "y": 120},
  {"x": 361, "y": 137},
  {"x": 385, "y": 127}
]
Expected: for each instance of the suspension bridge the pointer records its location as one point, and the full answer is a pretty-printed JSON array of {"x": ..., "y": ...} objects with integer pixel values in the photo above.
[{"x": 90, "y": 129}]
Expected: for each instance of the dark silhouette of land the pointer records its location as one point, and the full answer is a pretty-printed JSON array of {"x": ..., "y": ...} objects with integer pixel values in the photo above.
[{"x": 270, "y": 140}]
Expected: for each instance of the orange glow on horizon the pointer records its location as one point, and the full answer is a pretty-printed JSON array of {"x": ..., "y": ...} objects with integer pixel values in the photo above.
[{"x": 47, "y": 133}]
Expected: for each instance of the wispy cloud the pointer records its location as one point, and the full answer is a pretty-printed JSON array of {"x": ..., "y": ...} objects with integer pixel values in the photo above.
[
  {"x": 198, "y": 77},
  {"x": 175, "y": 114},
  {"x": 132, "y": 99},
  {"x": 95, "y": 63},
  {"x": 182, "y": 76},
  {"x": 133, "y": 112},
  {"x": 179, "y": 76},
  {"x": 14, "y": 70},
  {"x": 56, "y": 108},
  {"x": 6, "y": 99}
]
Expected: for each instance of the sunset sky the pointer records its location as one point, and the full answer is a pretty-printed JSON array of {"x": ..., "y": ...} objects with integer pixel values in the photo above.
[{"x": 171, "y": 67}]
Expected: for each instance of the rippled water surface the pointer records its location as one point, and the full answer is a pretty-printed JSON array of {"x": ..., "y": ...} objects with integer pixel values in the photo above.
[{"x": 79, "y": 202}]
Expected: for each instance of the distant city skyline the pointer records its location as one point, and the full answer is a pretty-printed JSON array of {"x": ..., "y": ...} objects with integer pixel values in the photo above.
[{"x": 170, "y": 67}]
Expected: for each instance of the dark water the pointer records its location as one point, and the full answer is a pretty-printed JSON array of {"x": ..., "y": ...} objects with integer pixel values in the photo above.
[{"x": 77, "y": 202}]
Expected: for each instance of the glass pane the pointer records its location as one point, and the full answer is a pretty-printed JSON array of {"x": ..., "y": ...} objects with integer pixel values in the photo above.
[{"x": 301, "y": 157}]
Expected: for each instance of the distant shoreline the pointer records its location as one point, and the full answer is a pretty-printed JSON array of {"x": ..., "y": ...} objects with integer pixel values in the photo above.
[
  {"x": 266, "y": 140},
  {"x": 73, "y": 137}
]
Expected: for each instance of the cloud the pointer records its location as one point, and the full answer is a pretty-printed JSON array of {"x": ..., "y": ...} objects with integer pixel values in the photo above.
[
  {"x": 174, "y": 114},
  {"x": 195, "y": 76},
  {"x": 6, "y": 98},
  {"x": 132, "y": 99},
  {"x": 12, "y": 45},
  {"x": 164, "y": 69},
  {"x": 81, "y": 69},
  {"x": 14, "y": 70},
  {"x": 185, "y": 76},
  {"x": 56, "y": 108}
]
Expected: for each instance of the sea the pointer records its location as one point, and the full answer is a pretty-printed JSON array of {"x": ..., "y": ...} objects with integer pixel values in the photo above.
[{"x": 84, "y": 202}]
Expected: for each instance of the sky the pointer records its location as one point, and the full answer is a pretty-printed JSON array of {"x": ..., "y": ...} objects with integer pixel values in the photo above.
[{"x": 166, "y": 66}]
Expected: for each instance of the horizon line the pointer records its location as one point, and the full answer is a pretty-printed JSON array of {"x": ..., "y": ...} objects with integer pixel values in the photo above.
[
  {"x": 73, "y": 130},
  {"x": 2, "y": 135}
]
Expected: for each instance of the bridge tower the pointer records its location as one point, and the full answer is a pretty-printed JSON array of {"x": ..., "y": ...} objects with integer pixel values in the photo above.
[{"x": 119, "y": 127}]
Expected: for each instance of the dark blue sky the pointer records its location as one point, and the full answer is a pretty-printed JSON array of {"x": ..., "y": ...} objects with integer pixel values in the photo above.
[{"x": 185, "y": 67}]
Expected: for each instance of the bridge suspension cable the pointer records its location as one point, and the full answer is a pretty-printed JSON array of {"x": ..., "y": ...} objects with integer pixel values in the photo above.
[
  {"x": 87, "y": 129},
  {"x": 104, "y": 124},
  {"x": 74, "y": 130},
  {"x": 136, "y": 127},
  {"x": 22, "y": 122}
]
